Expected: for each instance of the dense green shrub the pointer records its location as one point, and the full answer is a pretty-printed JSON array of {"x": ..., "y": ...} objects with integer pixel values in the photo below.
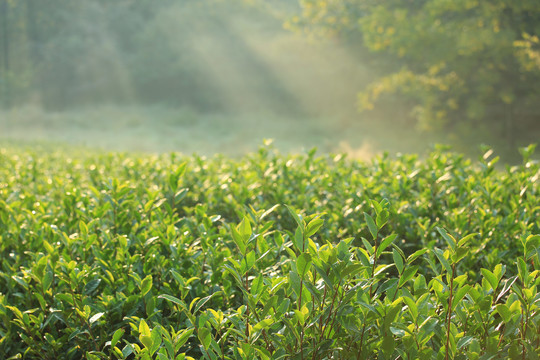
[{"x": 268, "y": 256}]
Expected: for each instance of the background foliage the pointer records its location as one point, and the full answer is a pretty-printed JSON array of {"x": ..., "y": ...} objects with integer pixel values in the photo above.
[
  {"x": 464, "y": 61},
  {"x": 64, "y": 54}
]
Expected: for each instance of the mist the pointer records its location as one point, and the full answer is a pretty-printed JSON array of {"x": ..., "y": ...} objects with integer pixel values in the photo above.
[{"x": 189, "y": 76}]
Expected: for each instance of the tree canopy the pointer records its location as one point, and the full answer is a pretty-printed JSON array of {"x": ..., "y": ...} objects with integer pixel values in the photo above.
[{"x": 455, "y": 60}]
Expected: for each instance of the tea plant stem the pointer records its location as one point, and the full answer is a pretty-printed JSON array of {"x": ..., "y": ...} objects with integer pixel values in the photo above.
[
  {"x": 523, "y": 332},
  {"x": 335, "y": 312},
  {"x": 247, "y": 307},
  {"x": 358, "y": 356},
  {"x": 501, "y": 336},
  {"x": 449, "y": 320},
  {"x": 322, "y": 306},
  {"x": 265, "y": 336},
  {"x": 370, "y": 296},
  {"x": 302, "y": 330},
  {"x": 300, "y": 304},
  {"x": 323, "y": 330}
]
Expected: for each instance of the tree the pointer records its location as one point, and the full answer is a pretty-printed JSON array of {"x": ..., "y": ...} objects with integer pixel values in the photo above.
[
  {"x": 455, "y": 59},
  {"x": 5, "y": 79}
]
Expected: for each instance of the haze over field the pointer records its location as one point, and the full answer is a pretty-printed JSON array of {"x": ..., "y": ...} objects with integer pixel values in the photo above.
[{"x": 192, "y": 76}]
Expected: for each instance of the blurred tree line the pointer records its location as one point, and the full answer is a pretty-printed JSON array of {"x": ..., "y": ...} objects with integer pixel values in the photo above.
[
  {"x": 62, "y": 53},
  {"x": 455, "y": 61}
]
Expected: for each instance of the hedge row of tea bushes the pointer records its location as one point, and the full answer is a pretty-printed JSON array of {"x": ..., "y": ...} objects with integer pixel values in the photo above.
[{"x": 119, "y": 256}]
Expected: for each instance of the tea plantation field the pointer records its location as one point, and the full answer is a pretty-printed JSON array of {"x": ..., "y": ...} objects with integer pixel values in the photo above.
[{"x": 268, "y": 256}]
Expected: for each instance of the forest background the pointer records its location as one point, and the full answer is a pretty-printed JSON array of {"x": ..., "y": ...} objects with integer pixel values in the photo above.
[{"x": 342, "y": 75}]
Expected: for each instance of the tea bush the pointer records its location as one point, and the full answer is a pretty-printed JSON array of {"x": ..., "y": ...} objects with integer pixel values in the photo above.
[{"x": 122, "y": 256}]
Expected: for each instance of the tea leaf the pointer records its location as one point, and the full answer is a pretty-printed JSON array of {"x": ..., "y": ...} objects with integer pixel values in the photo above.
[
  {"x": 91, "y": 286},
  {"x": 263, "y": 324},
  {"x": 385, "y": 243},
  {"x": 415, "y": 255},
  {"x": 116, "y": 337},
  {"x": 205, "y": 337},
  {"x": 303, "y": 264},
  {"x": 505, "y": 313},
  {"x": 47, "y": 280},
  {"x": 491, "y": 278},
  {"x": 449, "y": 238},
  {"x": 146, "y": 285},
  {"x": 444, "y": 262},
  {"x": 371, "y": 226},
  {"x": 296, "y": 218},
  {"x": 173, "y": 300},
  {"x": 95, "y": 318},
  {"x": 398, "y": 261},
  {"x": 183, "y": 337}
]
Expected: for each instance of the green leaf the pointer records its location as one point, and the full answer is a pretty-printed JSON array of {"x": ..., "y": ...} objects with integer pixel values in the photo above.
[
  {"x": 300, "y": 317},
  {"x": 382, "y": 218},
  {"x": 173, "y": 300},
  {"x": 532, "y": 244},
  {"x": 146, "y": 285},
  {"x": 295, "y": 282},
  {"x": 522, "y": 270},
  {"x": 91, "y": 286},
  {"x": 363, "y": 256},
  {"x": 466, "y": 239},
  {"x": 127, "y": 350},
  {"x": 391, "y": 312},
  {"x": 413, "y": 309},
  {"x": 144, "y": 330},
  {"x": 47, "y": 280},
  {"x": 244, "y": 229},
  {"x": 449, "y": 238},
  {"x": 398, "y": 332},
  {"x": 407, "y": 275},
  {"x": 263, "y": 324},
  {"x": 145, "y": 336},
  {"x": 183, "y": 337},
  {"x": 205, "y": 337},
  {"x": 116, "y": 336},
  {"x": 491, "y": 278},
  {"x": 268, "y": 212},
  {"x": 203, "y": 301},
  {"x": 296, "y": 217},
  {"x": 313, "y": 226},
  {"x": 328, "y": 282},
  {"x": 464, "y": 341},
  {"x": 505, "y": 312},
  {"x": 371, "y": 226},
  {"x": 444, "y": 262},
  {"x": 398, "y": 260},
  {"x": 298, "y": 240},
  {"x": 459, "y": 295},
  {"x": 370, "y": 249},
  {"x": 257, "y": 286},
  {"x": 248, "y": 261},
  {"x": 459, "y": 254},
  {"x": 415, "y": 255},
  {"x": 385, "y": 243},
  {"x": 156, "y": 340},
  {"x": 388, "y": 345},
  {"x": 95, "y": 318},
  {"x": 238, "y": 240},
  {"x": 16, "y": 311},
  {"x": 303, "y": 264}
]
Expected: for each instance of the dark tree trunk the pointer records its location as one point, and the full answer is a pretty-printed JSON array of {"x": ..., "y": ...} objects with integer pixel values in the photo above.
[{"x": 5, "y": 50}]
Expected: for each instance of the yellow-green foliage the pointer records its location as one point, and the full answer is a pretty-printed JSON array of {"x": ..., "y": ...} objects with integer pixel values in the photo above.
[{"x": 456, "y": 59}]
